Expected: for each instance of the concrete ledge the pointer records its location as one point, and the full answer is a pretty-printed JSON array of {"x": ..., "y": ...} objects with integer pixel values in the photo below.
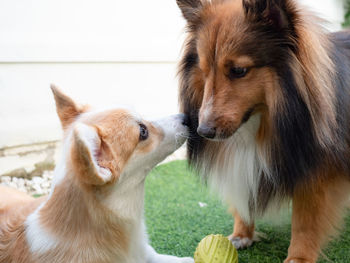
[{"x": 27, "y": 161}]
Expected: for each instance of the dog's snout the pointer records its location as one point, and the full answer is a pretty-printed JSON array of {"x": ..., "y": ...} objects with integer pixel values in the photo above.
[
  {"x": 174, "y": 131},
  {"x": 206, "y": 131}
]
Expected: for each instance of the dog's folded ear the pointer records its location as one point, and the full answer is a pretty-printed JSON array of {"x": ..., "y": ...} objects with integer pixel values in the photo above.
[
  {"x": 66, "y": 108},
  {"x": 270, "y": 12},
  {"x": 190, "y": 9},
  {"x": 85, "y": 153}
]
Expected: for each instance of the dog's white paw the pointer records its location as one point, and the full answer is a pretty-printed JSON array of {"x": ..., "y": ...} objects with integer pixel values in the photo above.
[
  {"x": 297, "y": 261},
  {"x": 245, "y": 242},
  {"x": 187, "y": 260},
  {"x": 241, "y": 243}
]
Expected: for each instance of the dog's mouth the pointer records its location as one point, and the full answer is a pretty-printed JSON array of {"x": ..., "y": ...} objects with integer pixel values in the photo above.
[
  {"x": 247, "y": 115},
  {"x": 224, "y": 134}
]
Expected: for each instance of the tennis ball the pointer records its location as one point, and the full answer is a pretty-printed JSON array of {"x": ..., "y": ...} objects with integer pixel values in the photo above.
[{"x": 215, "y": 249}]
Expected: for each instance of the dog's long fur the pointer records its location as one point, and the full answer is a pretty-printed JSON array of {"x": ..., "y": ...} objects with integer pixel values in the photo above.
[{"x": 283, "y": 129}]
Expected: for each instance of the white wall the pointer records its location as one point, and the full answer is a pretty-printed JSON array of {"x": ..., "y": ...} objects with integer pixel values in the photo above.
[
  {"x": 89, "y": 30},
  {"x": 100, "y": 52},
  {"x": 27, "y": 111},
  {"x": 330, "y": 10}
]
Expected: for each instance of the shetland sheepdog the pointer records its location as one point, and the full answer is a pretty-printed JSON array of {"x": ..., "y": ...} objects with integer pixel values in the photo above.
[
  {"x": 267, "y": 90},
  {"x": 94, "y": 212}
]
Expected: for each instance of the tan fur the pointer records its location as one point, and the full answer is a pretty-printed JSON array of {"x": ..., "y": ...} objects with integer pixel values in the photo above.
[
  {"x": 241, "y": 229},
  {"x": 14, "y": 198},
  {"x": 67, "y": 109},
  {"x": 110, "y": 156},
  {"x": 13, "y": 212},
  {"x": 315, "y": 217},
  {"x": 76, "y": 220}
]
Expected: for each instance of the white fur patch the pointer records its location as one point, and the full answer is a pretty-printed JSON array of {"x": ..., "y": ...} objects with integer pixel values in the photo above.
[
  {"x": 60, "y": 169},
  {"x": 39, "y": 240},
  {"x": 244, "y": 242},
  {"x": 153, "y": 257},
  {"x": 175, "y": 134},
  {"x": 241, "y": 243},
  {"x": 236, "y": 176}
]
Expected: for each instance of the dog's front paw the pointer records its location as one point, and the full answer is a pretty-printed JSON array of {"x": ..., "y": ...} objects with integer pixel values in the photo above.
[
  {"x": 187, "y": 260},
  {"x": 241, "y": 243},
  {"x": 297, "y": 260},
  {"x": 245, "y": 242}
]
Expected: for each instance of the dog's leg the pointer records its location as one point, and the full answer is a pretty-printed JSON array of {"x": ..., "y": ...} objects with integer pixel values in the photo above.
[
  {"x": 243, "y": 234},
  {"x": 317, "y": 210},
  {"x": 153, "y": 257}
]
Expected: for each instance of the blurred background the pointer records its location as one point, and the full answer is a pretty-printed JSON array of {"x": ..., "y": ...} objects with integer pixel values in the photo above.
[{"x": 99, "y": 52}]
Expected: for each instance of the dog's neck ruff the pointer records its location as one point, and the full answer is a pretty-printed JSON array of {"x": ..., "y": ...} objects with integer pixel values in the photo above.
[{"x": 235, "y": 169}]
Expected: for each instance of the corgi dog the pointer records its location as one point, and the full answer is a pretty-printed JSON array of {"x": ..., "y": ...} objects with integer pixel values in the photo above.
[
  {"x": 94, "y": 212},
  {"x": 267, "y": 92}
]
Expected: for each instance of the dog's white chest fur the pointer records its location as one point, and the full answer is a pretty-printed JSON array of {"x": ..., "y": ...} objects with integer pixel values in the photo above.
[{"x": 236, "y": 174}]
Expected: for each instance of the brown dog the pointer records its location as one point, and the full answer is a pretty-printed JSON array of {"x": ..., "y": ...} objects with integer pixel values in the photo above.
[
  {"x": 94, "y": 212},
  {"x": 267, "y": 92}
]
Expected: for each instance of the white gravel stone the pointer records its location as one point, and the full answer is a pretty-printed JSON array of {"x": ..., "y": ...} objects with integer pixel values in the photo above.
[
  {"x": 5, "y": 179},
  {"x": 42, "y": 185},
  {"x": 20, "y": 183},
  {"x": 46, "y": 185},
  {"x": 37, "y": 180},
  {"x": 36, "y": 186}
]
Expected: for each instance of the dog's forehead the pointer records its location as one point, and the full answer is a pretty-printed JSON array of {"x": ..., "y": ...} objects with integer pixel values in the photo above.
[
  {"x": 222, "y": 17},
  {"x": 110, "y": 115},
  {"x": 224, "y": 27}
]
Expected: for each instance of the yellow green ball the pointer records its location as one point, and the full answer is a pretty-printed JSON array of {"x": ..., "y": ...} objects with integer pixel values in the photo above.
[{"x": 215, "y": 249}]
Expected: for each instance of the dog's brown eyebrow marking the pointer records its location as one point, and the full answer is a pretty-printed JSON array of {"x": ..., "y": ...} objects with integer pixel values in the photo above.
[
  {"x": 239, "y": 61},
  {"x": 243, "y": 61}
]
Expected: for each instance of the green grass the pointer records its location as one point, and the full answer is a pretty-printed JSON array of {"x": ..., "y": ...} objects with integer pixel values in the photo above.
[
  {"x": 346, "y": 23},
  {"x": 176, "y": 222}
]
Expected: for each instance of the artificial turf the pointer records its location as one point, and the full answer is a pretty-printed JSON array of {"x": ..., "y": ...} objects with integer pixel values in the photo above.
[{"x": 176, "y": 222}]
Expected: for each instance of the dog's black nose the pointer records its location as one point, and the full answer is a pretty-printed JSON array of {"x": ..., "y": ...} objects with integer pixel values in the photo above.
[
  {"x": 186, "y": 120},
  {"x": 206, "y": 131}
]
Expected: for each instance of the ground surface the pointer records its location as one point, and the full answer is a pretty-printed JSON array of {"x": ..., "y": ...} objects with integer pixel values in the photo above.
[{"x": 176, "y": 222}]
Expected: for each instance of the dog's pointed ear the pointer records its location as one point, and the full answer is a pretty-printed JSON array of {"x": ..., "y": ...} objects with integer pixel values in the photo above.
[
  {"x": 87, "y": 149},
  {"x": 271, "y": 12},
  {"x": 190, "y": 9},
  {"x": 67, "y": 109}
]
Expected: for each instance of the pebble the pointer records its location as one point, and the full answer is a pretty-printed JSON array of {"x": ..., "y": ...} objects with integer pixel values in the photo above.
[{"x": 35, "y": 186}]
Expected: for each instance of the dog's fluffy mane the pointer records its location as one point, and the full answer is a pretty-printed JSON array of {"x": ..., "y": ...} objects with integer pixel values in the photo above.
[{"x": 305, "y": 127}]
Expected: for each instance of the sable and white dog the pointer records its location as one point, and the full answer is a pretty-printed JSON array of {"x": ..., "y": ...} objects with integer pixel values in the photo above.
[{"x": 94, "y": 213}]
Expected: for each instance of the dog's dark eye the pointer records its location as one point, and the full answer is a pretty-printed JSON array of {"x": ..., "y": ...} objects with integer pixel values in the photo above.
[
  {"x": 143, "y": 132},
  {"x": 237, "y": 72}
]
